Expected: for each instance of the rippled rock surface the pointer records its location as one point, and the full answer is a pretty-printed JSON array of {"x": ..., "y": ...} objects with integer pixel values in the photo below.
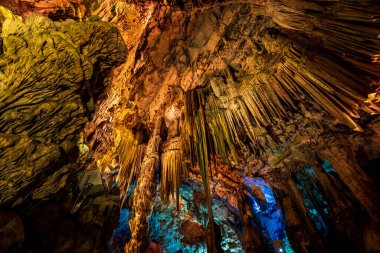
[{"x": 50, "y": 73}]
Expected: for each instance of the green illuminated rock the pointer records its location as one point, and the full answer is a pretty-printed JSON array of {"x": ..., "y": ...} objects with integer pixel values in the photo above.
[{"x": 49, "y": 74}]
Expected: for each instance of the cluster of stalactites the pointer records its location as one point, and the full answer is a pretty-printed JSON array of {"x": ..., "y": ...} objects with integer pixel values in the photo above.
[
  {"x": 290, "y": 76},
  {"x": 347, "y": 28},
  {"x": 327, "y": 64},
  {"x": 172, "y": 170},
  {"x": 131, "y": 155}
]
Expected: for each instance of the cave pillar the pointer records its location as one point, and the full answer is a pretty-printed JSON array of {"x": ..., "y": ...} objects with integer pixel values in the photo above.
[{"x": 143, "y": 196}]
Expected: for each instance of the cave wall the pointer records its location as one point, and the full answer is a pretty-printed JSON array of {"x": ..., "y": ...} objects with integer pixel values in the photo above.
[{"x": 51, "y": 75}]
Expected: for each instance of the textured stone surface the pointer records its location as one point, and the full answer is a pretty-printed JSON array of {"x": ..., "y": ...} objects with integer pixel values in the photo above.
[
  {"x": 282, "y": 89},
  {"x": 50, "y": 75},
  {"x": 48, "y": 83},
  {"x": 56, "y": 10}
]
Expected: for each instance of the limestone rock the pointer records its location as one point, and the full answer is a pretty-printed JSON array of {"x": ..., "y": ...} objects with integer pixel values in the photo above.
[{"x": 48, "y": 72}]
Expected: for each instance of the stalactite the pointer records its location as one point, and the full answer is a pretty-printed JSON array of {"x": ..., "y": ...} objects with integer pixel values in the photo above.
[
  {"x": 131, "y": 155},
  {"x": 261, "y": 100},
  {"x": 200, "y": 147},
  {"x": 314, "y": 78},
  {"x": 172, "y": 169},
  {"x": 349, "y": 29},
  {"x": 267, "y": 92}
]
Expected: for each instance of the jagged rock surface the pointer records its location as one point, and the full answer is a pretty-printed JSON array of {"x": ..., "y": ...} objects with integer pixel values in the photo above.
[
  {"x": 48, "y": 83},
  {"x": 281, "y": 87},
  {"x": 51, "y": 74}
]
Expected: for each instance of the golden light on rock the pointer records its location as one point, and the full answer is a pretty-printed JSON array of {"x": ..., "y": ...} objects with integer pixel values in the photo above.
[{"x": 189, "y": 126}]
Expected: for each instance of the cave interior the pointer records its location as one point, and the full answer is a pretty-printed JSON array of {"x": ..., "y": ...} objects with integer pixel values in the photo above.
[{"x": 189, "y": 126}]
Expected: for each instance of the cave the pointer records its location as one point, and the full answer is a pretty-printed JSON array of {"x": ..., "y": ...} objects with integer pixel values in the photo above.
[{"x": 189, "y": 126}]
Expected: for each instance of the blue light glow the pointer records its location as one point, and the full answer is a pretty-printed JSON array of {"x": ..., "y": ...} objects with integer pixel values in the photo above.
[
  {"x": 122, "y": 233},
  {"x": 267, "y": 212},
  {"x": 166, "y": 223},
  {"x": 122, "y": 229},
  {"x": 316, "y": 205},
  {"x": 327, "y": 167}
]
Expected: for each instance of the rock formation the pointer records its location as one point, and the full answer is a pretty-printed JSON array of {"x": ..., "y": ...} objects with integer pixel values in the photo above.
[
  {"x": 231, "y": 126},
  {"x": 51, "y": 73}
]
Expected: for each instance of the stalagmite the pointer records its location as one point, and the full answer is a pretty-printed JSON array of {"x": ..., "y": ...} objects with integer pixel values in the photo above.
[{"x": 143, "y": 195}]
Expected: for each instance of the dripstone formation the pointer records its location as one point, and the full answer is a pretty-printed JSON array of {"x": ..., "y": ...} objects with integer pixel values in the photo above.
[{"x": 230, "y": 126}]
